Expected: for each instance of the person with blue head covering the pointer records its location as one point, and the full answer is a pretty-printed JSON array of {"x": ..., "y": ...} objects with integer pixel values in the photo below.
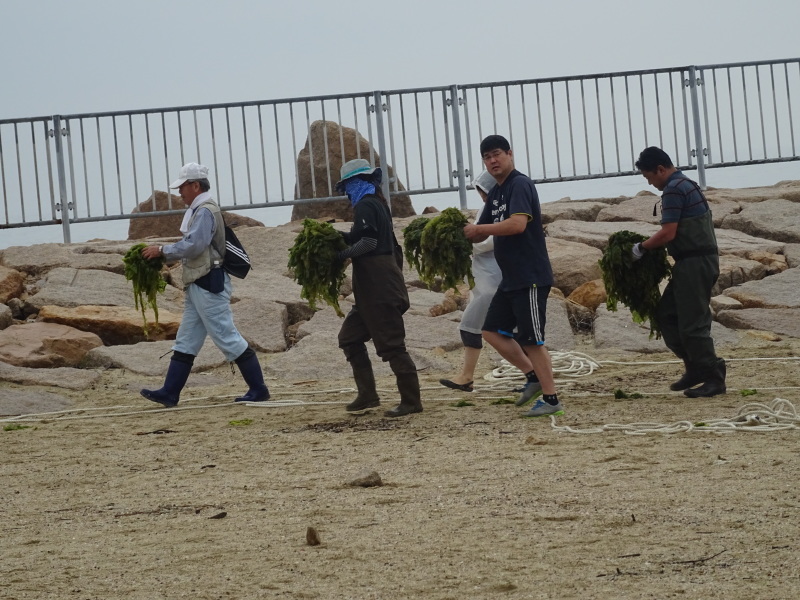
[{"x": 381, "y": 297}]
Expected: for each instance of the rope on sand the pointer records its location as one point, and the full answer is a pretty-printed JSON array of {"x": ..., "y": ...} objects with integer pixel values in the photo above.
[{"x": 755, "y": 417}]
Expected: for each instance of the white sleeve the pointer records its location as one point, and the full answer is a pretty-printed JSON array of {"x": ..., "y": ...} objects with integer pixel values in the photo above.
[{"x": 486, "y": 245}]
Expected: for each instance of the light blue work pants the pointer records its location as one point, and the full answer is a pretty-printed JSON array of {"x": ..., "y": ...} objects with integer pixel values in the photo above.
[{"x": 209, "y": 314}]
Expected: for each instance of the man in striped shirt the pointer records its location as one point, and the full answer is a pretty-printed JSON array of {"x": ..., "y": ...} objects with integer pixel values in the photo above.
[{"x": 684, "y": 314}]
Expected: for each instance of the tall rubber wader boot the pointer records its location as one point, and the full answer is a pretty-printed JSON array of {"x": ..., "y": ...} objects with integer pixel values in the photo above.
[
  {"x": 365, "y": 383},
  {"x": 714, "y": 382},
  {"x": 405, "y": 372},
  {"x": 253, "y": 376},
  {"x": 692, "y": 377},
  {"x": 180, "y": 365}
]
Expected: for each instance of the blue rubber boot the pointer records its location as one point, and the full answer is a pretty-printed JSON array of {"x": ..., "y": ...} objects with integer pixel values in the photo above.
[
  {"x": 177, "y": 374},
  {"x": 253, "y": 376}
]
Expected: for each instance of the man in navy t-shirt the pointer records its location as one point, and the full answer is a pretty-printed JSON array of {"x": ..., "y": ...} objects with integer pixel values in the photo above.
[{"x": 513, "y": 217}]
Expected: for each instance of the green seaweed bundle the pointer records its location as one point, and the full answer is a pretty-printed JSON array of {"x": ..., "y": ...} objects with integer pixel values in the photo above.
[
  {"x": 312, "y": 260},
  {"x": 438, "y": 248},
  {"x": 145, "y": 274},
  {"x": 412, "y": 241},
  {"x": 634, "y": 283}
]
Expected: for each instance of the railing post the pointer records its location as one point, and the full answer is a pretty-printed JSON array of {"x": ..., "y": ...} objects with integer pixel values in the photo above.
[
  {"x": 455, "y": 101},
  {"x": 379, "y": 110},
  {"x": 699, "y": 150},
  {"x": 63, "y": 204}
]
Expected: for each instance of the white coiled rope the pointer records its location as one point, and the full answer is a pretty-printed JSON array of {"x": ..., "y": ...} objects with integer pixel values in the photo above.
[{"x": 754, "y": 417}]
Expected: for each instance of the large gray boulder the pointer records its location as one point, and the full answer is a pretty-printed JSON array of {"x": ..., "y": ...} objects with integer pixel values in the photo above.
[
  {"x": 70, "y": 287},
  {"x": 775, "y": 291},
  {"x": 783, "y": 321},
  {"x": 596, "y": 234},
  {"x": 771, "y": 219},
  {"x": 318, "y": 169}
]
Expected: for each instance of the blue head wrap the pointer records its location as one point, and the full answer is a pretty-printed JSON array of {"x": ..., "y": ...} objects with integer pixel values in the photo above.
[{"x": 356, "y": 188}]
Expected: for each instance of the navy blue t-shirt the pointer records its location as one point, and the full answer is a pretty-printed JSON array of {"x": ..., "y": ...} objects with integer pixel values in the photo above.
[{"x": 522, "y": 257}]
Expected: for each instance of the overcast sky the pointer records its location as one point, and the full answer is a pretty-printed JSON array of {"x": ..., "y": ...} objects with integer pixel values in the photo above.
[
  {"x": 66, "y": 57},
  {"x": 82, "y": 56}
]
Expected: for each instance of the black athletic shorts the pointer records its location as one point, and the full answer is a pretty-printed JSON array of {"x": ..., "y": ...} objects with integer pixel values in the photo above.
[{"x": 525, "y": 310}]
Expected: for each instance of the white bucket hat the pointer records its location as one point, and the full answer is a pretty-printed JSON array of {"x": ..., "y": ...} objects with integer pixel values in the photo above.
[
  {"x": 189, "y": 172},
  {"x": 358, "y": 166},
  {"x": 485, "y": 182}
]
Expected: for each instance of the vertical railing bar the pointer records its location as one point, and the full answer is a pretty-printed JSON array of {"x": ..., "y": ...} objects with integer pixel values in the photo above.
[
  {"x": 789, "y": 103},
  {"x": 63, "y": 202},
  {"x": 310, "y": 152},
  {"x": 630, "y": 123},
  {"x": 102, "y": 171},
  {"x": 36, "y": 169},
  {"x": 149, "y": 162},
  {"x": 263, "y": 152},
  {"x": 230, "y": 155},
  {"x": 247, "y": 157},
  {"x": 478, "y": 115},
  {"x": 775, "y": 109},
  {"x": 70, "y": 156},
  {"x": 698, "y": 135},
  {"x": 600, "y": 124},
  {"x": 508, "y": 114},
  {"x": 707, "y": 149},
  {"x": 733, "y": 120},
  {"x": 392, "y": 155},
  {"x": 747, "y": 116},
  {"x": 541, "y": 131},
  {"x": 3, "y": 178},
  {"x": 435, "y": 144},
  {"x": 341, "y": 131},
  {"x": 197, "y": 138},
  {"x": 555, "y": 127},
  {"x": 49, "y": 156},
  {"x": 19, "y": 172},
  {"x": 569, "y": 125},
  {"x": 468, "y": 129},
  {"x": 644, "y": 109},
  {"x": 358, "y": 133},
  {"x": 377, "y": 96},
  {"x": 180, "y": 137},
  {"x": 166, "y": 150},
  {"x": 716, "y": 111},
  {"x": 585, "y": 129},
  {"x": 658, "y": 111},
  {"x": 761, "y": 112},
  {"x": 278, "y": 149},
  {"x": 674, "y": 117},
  {"x": 448, "y": 150},
  {"x": 369, "y": 127},
  {"x": 459, "y": 148},
  {"x": 419, "y": 139},
  {"x": 116, "y": 162},
  {"x": 214, "y": 153},
  {"x": 294, "y": 148},
  {"x": 614, "y": 120},
  {"x": 685, "y": 78},
  {"x": 133, "y": 162},
  {"x": 525, "y": 128},
  {"x": 494, "y": 111},
  {"x": 325, "y": 148},
  {"x": 405, "y": 142}
]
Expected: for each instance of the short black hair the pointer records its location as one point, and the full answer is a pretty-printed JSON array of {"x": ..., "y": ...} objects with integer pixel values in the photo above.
[
  {"x": 653, "y": 157},
  {"x": 205, "y": 185},
  {"x": 494, "y": 142}
]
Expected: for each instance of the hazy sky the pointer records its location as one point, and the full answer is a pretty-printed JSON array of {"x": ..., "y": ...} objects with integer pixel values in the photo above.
[{"x": 66, "y": 57}]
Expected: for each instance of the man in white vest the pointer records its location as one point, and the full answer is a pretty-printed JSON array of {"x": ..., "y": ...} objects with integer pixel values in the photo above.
[{"x": 207, "y": 308}]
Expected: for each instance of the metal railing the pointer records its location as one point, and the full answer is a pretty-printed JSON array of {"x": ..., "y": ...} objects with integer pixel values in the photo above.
[{"x": 84, "y": 168}]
